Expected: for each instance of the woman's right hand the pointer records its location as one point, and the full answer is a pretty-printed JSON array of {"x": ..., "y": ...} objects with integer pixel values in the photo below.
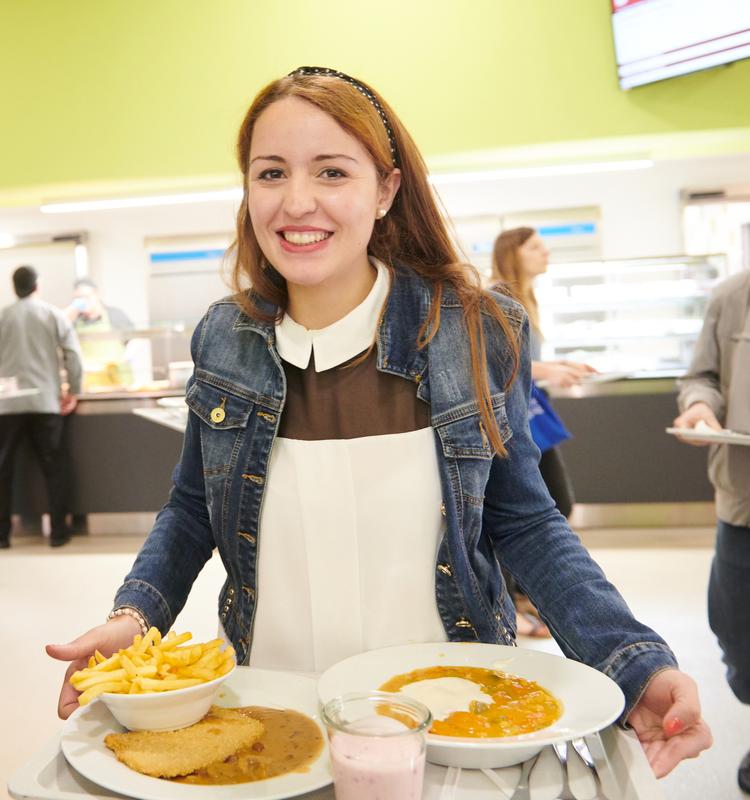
[{"x": 114, "y": 635}]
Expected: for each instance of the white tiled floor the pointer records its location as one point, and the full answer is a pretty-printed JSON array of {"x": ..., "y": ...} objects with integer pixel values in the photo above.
[{"x": 53, "y": 595}]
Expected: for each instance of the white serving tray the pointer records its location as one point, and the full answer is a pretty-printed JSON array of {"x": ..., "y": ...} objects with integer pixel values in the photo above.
[
  {"x": 628, "y": 777},
  {"x": 710, "y": 437}
]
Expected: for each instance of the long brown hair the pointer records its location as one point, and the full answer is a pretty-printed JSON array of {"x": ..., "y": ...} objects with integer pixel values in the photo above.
[
  {"x": 413, "y": 232},
  {"x": 508, "y": 269}
]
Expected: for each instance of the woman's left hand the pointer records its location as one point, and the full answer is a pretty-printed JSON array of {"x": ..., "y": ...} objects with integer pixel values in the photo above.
[{"x": 668, "y": 721}]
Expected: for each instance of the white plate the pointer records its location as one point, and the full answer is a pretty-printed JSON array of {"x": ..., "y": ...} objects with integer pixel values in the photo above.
[
  {"x": 591, "y": 701},
  {"x": 83, "y": 745},
  {"x": 710, "y": 437}
]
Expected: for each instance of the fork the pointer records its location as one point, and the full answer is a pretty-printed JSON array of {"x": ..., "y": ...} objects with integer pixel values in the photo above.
[
  {"x": 580, "y": 746},
  {"x": 561, "y": 751}
]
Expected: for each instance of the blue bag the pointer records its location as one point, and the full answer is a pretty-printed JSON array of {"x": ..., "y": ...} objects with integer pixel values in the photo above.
[{"x": 547, "y": 429}]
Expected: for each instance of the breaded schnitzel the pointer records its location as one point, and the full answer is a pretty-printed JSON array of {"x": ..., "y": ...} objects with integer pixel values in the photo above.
[{"x": 167, "y": 754}]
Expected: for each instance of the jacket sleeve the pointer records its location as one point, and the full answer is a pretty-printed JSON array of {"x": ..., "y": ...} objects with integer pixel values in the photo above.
[
  {"x": 586, "y": 614},
  {"x": 701, "y": 383},
  {"x": 180, "y": 543}
]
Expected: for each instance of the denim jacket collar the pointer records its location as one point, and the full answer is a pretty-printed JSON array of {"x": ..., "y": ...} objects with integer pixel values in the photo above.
[{"x": 405, "y": 312}]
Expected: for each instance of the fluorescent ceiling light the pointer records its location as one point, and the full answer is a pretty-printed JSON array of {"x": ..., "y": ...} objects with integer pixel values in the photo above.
[
  {"x": 581, "y": 168},
  {"x": 144, "y": 201},
  {"x": 7, "y": 240}
]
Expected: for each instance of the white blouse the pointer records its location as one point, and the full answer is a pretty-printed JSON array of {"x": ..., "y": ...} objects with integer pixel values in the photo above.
[{"x": 349, "y": 536}]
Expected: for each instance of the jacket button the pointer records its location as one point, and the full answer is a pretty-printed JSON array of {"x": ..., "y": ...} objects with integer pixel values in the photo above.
[
  {"x": 445, "y": 569},
  {"x": 230, "y": 590},
  {"x": 442, "y": 509}
]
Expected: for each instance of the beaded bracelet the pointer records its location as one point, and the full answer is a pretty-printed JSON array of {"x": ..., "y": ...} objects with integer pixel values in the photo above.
[{"x": 127, "y": 611}]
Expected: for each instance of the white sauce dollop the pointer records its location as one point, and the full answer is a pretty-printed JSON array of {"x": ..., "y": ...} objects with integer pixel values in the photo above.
[{"x": 443, "y": 696}]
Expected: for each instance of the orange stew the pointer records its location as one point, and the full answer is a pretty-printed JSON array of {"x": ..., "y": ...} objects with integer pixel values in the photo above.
[{"x": 518, "y": 706}]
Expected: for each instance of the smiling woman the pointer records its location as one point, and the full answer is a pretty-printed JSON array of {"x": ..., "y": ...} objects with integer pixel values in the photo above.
[
  {"x": 357, "y": 446},
  {"x": 313, "y": 198}
]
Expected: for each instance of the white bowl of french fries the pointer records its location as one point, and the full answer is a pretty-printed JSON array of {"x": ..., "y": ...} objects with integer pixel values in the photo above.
[{"x": 157, "y": 684}]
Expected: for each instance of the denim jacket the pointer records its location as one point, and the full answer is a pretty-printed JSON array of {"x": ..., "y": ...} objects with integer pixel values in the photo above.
[{"x": 495, "y": 508}]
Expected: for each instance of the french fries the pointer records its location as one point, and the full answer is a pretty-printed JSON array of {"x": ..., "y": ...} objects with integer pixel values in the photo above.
[{"x": 153, "y": 664}]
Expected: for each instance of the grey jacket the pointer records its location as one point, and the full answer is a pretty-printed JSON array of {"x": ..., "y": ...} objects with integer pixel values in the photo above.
[
  {"x": 719, "y": 376},
  {"x": 36, "y": 340}
]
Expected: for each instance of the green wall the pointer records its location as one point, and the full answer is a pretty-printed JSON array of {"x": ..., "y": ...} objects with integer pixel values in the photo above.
[{"x": 110, "y": 90}]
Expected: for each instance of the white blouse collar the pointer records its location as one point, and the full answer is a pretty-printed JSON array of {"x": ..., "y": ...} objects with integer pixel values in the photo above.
[{"x": 340, "y": 341}]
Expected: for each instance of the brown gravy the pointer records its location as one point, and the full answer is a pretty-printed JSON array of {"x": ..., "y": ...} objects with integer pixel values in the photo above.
[{"x": 290, "y": 743}]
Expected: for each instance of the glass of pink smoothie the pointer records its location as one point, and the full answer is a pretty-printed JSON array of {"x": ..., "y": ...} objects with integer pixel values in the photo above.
[{"x": 377, "y": 745}]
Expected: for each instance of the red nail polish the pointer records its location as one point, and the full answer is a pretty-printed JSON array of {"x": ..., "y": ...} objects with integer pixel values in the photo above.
[{"x": 674, "y": 726}]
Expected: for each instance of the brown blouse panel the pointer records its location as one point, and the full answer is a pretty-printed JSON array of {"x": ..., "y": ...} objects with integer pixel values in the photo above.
[{"x": 348, "y": 402}]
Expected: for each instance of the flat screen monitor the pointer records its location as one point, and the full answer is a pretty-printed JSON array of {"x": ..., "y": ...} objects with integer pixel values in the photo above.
[{"x": 658, "y": 39}]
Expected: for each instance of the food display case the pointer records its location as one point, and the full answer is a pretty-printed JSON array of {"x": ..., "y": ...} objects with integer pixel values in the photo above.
[
  {"x": 131, "y": 362},
  {"x": 629, "y": 315}
]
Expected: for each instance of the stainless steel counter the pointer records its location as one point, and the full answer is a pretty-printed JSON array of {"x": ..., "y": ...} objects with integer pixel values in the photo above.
[{"x": 107, "y": 397}]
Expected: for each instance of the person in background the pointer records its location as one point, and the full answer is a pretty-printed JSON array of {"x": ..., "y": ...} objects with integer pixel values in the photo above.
[
  {"x": 519, "y": 256},
  {"x": 104, "y": 356},
  {"x": 88, "y": 313},
  {"x": 33, "y": 336},
  {"x": 358, "y": 443},
  {"x": 715, "y": 392}
]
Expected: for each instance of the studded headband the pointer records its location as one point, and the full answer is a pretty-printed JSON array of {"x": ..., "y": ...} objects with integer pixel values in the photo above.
[{"x": 362, "y": 89}]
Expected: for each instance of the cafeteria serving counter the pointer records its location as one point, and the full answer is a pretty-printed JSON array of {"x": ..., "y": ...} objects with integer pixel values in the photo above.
[
  {"x": 625, "y": 469},
  {"x": 118, "y": 463}
]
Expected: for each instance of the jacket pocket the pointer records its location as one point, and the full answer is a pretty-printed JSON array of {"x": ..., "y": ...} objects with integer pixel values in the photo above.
[
  {"x": 462, "y": 434},
  {"x": 218, "y": 406}
]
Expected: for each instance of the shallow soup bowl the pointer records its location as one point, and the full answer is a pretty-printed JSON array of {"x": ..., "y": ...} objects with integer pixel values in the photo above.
[
  {"x": 590, "y": 700},
  {"x": 165, "y": 710}
]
